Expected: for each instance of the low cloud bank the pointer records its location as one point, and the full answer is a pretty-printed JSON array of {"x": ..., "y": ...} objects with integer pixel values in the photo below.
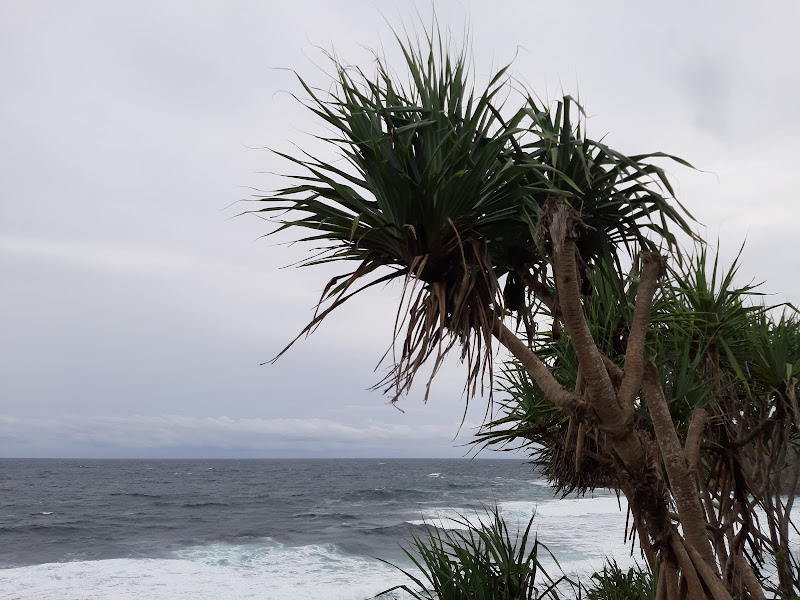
[{"x": 135, "y": 435}]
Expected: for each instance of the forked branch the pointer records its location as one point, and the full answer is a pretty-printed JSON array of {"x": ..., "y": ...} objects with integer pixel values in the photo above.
[
  {"x": 652, "y": 270},
  {"x": 683, "y": 488},
  {"x": 563, "y": 223},
  {"x": 564, "y": 399}
]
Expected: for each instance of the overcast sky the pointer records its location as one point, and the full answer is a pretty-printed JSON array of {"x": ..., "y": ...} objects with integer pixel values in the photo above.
[{"x": 135, "y": 309}]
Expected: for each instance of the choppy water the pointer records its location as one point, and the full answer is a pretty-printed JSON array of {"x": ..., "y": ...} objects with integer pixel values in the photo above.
[{"x": 262, "y": 528}]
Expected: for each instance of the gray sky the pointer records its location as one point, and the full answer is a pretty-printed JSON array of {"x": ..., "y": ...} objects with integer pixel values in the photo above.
[{"x": 134, "y": 311}]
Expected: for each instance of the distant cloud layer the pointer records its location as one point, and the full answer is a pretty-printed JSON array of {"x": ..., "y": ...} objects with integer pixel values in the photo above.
[{"x": 175, "y": 434}]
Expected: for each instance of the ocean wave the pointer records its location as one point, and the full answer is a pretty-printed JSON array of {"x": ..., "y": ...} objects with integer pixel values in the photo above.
[
  {"x": 43, "y": 525},
  {"x": 136, "y": 495},
  {"x": 578, "y": 507},
  {"x": 266, "y": 571},
  {"x": 581, "y": 533},
  {"x": 326, "y": 515},
  {"x": 203, "y": 504},
  {"x": 389, "y": 493},
  {"x": 452, "y": 518}
]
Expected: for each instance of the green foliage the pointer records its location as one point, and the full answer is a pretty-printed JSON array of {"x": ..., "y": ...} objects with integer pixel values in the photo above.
[
  {"x": 482, "y": 563},
  {"x": 774, "y": 348},
  {"x": 443, "y": 187},
  {"x": 527, "y": 420},
  {"x": 620, "y": 198},
  {"x": 428, "y": 182},
  {"x": 717, "y": 348},
  {"x": 616, "y": 583}
]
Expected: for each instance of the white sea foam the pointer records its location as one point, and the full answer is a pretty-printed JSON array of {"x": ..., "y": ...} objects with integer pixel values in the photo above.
[
  {"x": 521, "y": 511},
  {"x": 265, "y": 571},
  {"x": 580, "y": 507},
  {"x": 581, "y": 533},
  {"x": 451, "y": 518}
]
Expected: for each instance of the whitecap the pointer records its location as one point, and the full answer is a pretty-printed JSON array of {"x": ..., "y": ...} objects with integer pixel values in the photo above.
[
  {"x": 578, "y": 507},
  {"x": 265, "y": 571},
  {"x": 451, "y": 518},
  {"x": 580, "y": 532}
]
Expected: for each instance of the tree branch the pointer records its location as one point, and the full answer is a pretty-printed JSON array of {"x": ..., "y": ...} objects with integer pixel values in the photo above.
[
  {"x": 671, "y": 577},
  {"x": 691, "y": 448},
  {"x": 748, "y": 578},
  {"x": 711, "y": 579},
  {"x": 614, "y": 372},
  {"x": 683, "y": 488},
  {"x": 687, "y": 568},
  {"x": 557, "y": 394},
  {"x": 601, "y": 392},
  {"x": 652, "y": 270},
  {"x": 539, "y": 289}
]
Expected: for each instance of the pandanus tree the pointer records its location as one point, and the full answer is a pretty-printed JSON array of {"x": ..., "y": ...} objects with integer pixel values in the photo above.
[
  {"x": 487, "y": 214},
  {"x": 729, "y": 369}
]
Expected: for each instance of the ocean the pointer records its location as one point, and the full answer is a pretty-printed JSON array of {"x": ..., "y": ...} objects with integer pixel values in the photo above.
[{"x": 266, "y": 529}]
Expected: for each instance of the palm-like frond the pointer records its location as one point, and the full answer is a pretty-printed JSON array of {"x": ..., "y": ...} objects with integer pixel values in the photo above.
[
  {"x": 774, "y": 351},
  {"x": 441, "y": 189},
  {"x": 429, "y": 181},
  {"x": 484, "y": 562},
  {"x": 623, "y": 201},
  {"x": 616, "y": 583}
]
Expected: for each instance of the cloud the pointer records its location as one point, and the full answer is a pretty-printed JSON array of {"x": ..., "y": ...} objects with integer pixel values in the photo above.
[
  {"x": 97, "y": 255},
  {"x": 127, "y": 131},
  {"x": 708, "y": 83},
  {"x": 132, "y": 434}
]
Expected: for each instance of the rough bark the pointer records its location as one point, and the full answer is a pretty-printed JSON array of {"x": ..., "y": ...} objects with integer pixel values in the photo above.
[
  {"x": 691, "y": 448},
  {"x": 607, "y": 404},
  {"x": 749, "y": 579},
  {"x": 683, "y": 488},
  {"x": 689, "y": 575},
  {"x": 652, "y": 269},
  {"x": 560, "y": 396},
  {"x": 671, "y": 578},
  {"x": 600, "y": 390},
  {"x": 708, "y": 575}
]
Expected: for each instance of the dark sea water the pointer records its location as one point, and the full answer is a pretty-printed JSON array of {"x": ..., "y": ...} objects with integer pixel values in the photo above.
[{"x": 262, "y": 528}]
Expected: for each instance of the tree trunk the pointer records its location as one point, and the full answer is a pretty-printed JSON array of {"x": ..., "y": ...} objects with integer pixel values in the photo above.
[{"x": 608, "y": 405}]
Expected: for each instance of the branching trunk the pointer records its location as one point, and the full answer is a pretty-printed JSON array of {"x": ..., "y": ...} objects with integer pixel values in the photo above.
[
  {"x": 562, "y": 231},
  {"x": 565, "y": 400},
  {"x": 683, "y": 488},
  {"x": 688, "y": 562},
  {"x": 694, "y": 437},
  {"x": 653, "y": 269}
]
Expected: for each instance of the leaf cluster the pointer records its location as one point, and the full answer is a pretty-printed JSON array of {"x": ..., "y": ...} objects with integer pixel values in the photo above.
[
  {"x": 718, "y": 348},
  {"x": 616, "y": 583},
  {"x": 483, "y": 562},
  {"x": 444, "y": 187}
]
